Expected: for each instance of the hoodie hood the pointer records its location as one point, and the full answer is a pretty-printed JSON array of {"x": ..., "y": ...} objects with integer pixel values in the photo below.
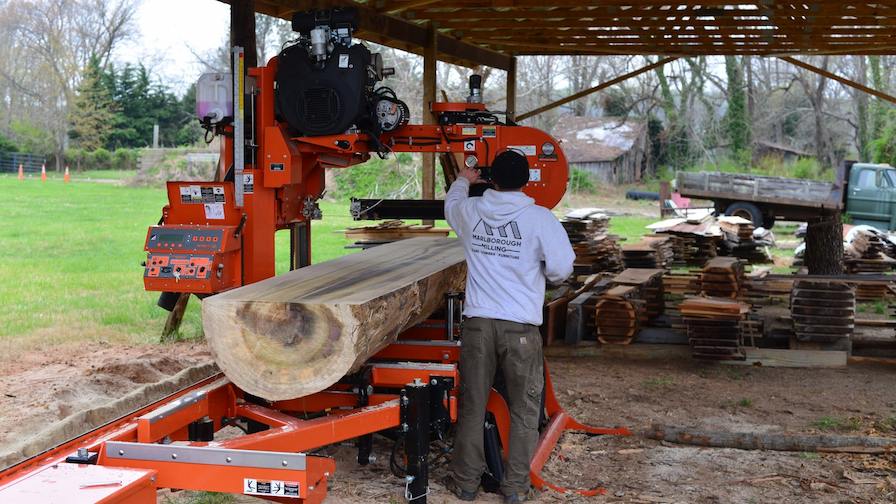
[{"x": 499, "y": 207}]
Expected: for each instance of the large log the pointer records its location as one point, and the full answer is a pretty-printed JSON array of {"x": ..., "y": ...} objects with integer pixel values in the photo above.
[{"x": 300, "y": 332}]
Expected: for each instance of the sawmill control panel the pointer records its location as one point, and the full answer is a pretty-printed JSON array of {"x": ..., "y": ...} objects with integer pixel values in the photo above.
[{"x": 197, "y": 259}]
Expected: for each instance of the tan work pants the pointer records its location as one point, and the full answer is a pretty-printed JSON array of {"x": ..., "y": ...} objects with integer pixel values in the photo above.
[{"x": 516, "y": 349}]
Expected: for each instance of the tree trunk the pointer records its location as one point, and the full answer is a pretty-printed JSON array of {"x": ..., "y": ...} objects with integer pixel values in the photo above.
[
  {"x": 824, "y": 246},
  {"x": 300, "y": 332}
]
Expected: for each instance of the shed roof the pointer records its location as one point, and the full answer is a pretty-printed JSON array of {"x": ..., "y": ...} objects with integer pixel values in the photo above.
[
  {"x": 597, "y": 139},
  {"x": 496, "y": 28}
]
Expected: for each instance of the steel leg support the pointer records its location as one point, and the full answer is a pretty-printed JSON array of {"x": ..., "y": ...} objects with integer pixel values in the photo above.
[{"x": 417, "y": 442}]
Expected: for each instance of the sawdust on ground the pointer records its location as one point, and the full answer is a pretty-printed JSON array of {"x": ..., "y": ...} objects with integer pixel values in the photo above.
[{"x": 38, "y": 388}]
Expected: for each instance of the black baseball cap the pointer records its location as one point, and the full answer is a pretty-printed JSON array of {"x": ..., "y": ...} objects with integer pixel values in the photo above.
[{"x": 510, "y": 170}]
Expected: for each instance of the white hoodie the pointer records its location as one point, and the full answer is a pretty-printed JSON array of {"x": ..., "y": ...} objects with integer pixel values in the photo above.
[{"x": 511, "y": 245}]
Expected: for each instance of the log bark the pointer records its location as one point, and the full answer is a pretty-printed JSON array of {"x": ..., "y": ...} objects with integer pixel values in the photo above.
[
  {"x": 771, "y": 440},
  {"x": 824, "y": 246},
  {"x": 300, "y": 332}
]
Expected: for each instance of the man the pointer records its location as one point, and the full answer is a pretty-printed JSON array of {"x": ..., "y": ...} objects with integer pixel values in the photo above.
[{"x": 511, "y": 245}]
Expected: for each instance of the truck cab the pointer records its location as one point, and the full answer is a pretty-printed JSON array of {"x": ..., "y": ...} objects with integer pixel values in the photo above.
[{"x": 871, "y": 195}]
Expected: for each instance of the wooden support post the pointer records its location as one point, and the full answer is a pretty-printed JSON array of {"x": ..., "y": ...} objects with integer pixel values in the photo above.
[
  {"x": 841, "y": 80},
  {"x": 242, "y": 29},
  {"x": 430, "y": 59},
  {"x": 511, "y": 89},
  {"x": 172, "y": 324},
  {"x": 599, "y": 87}
]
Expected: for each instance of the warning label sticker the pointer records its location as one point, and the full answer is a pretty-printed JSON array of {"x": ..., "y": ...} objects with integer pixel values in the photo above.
[
  {"x": 214, "y": 211},
  {"x": 194, "y": 194},
  {"x": 271, "y": 487},
  {"x": 535, "y": 175},
  {"x": 468, "y": 130},
  {"x": 470, "y": 145},
  {"x": 489, "y": 131},
  {"x": 528, "y": 150},
  {"x": 248, "y": 183}
]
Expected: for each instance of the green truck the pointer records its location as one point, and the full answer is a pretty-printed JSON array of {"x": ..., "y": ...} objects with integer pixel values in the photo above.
[{"x": 867, "y": 192}]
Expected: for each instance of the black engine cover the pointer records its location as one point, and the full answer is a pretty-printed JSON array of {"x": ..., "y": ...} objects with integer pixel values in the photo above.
[{"x": 327, "y": 100}]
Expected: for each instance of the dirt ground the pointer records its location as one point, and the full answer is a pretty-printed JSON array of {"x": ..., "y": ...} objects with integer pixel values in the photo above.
[
  {"x": 609, "y": 392},
  {"x": 596, "y": 390}
]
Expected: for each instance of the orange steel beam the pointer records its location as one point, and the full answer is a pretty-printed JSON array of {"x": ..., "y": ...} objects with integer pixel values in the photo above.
[{"x": 599, "y": 87}]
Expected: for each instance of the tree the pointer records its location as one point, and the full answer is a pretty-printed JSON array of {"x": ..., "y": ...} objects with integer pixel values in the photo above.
[
  {"x": 49, "y": 44},
  {"x": 92, "y": 111},
  {"x": 737, "y": 123}
]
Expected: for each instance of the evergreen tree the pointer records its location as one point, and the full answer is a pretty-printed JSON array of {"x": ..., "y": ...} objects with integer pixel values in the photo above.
[{"x": 92, "y": 113}]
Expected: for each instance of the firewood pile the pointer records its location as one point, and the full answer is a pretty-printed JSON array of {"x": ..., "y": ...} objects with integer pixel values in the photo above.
[
  {"x": 714, "y": 327},
  {"x": 743, "y": 240},
  {"x": 596, "y": 249}
]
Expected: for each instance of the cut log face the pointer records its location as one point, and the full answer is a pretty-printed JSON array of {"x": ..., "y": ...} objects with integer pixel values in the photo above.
[{"x": 300, "y": 332}]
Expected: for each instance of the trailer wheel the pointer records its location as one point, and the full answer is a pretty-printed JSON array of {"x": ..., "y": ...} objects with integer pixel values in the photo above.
[{"x": 747, "y": 211}]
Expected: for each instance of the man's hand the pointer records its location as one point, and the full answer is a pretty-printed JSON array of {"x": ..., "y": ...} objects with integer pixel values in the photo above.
[{"x": 472, "y": 175}]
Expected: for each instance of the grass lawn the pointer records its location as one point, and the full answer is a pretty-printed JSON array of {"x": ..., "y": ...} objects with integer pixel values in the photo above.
[{"x": 71, "y": 254}]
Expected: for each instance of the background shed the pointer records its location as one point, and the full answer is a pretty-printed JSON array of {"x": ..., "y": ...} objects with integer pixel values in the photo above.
[{"x": 610, "y": 149}]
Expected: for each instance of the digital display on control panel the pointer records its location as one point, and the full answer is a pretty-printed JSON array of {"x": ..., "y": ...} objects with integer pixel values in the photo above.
[{"x": 186, "y": 239}]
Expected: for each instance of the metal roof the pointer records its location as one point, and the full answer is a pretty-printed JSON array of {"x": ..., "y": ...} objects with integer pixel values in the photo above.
[{"x": 485, "y": 30}]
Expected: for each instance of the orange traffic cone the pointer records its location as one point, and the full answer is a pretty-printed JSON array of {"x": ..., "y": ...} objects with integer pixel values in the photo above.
[
  {"x": 67, "y": 178},
  {"x": 43, "y": 173},
  {"x": 21, "y": 173}
]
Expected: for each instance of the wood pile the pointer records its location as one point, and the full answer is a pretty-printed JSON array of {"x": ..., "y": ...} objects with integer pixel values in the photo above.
[
  {"x": 649, "y": 285},
  {"x": 677, "y": 286},
  {"x": 651, "y": 252},
  {"x": 693, "y": 241},
  {"x": 823, "y": 311},
  {"x": 714, "y": 327},
  {"x": 740, "y": 240},
  {"x": 868, "y": 250},
  {"x": 596, "y": 249},
  {"x": 389, "y": 231},
  {"x": 618, "y": 315},
  {"x": 722, "y": 277}
]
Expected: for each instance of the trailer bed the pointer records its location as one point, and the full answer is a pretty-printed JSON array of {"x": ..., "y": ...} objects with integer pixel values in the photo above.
[{"x": 760, "y": 189}]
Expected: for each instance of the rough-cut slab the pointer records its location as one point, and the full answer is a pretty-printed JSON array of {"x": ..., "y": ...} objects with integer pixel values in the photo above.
[{"x": 298, "y": 333}]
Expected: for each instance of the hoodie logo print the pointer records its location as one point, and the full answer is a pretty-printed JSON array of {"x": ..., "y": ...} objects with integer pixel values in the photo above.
[
  {"x": 502, "y": 230},
  {"x": 502, "y": 241}
]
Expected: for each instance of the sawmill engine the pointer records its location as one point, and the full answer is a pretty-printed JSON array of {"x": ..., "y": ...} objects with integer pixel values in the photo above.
[{"x": 327, "y": 86}]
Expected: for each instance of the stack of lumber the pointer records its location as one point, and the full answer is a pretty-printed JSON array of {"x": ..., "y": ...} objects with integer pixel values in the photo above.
[
  {"x": 651, "y": 252},
  {"x": 823, "y": 311},
  {"x": 596, "y": 249},
  {"x": 758, "y": 288},
  {"x": 649, "y": 288},
  {"x": 390, "y": 231},
  {"x": 722, "y": 277},
  {"x": 676, "y": 287},
  {"x": 298, "y": 333},
  {"x": 740, "y": 240},
  {"x": 693, "y": 241},
  {"x": 618, "y": 315},
  {"x": 714, "y": 327},
  {"x": 866, "y": 250}
]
